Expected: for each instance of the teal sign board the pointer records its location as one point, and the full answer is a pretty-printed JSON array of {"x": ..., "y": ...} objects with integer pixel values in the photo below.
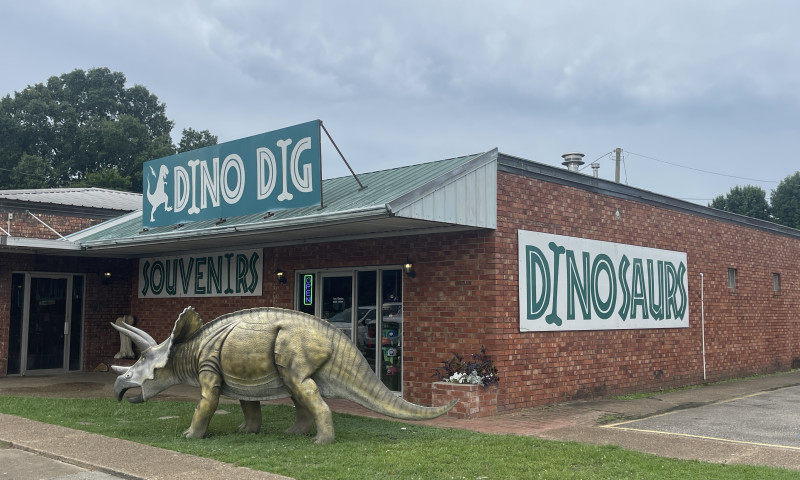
[
  {"x": 570, "y": 283},
  {"x": 267, "y": 172}
]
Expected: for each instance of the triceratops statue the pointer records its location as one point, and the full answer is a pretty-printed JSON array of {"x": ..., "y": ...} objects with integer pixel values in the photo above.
[{"x": 261, "y": 354}]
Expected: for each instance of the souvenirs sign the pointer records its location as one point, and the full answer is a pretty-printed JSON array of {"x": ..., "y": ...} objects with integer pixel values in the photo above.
[
  {"x": 568, "y": 283},
  {"x": 271, "y": 171},
  {"x": 226, "y": 273}
]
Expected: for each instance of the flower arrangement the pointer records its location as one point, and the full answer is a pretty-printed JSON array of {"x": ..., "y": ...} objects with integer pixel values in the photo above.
[{"x": 478, "y": 369}]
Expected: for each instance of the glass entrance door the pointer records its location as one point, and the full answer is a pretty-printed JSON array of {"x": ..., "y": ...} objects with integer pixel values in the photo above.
[
  {"x": 366, "y": 305},
  {"x": 46, "y": 333},
  {"x": 47, "y": 320},
  {"x": 337, "y": 301}
]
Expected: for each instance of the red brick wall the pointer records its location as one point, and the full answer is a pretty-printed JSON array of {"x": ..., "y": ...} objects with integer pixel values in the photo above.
[
  {"x": 103, "y": 304},
  {"x": 24, "y": 225},
  {"x": 445, "y": 307},
  {"x": 749, "y": 330}
]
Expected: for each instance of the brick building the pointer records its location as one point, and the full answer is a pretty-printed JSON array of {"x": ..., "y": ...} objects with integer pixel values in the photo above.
[
  {"x": 36, "y": 257},
  {"x": 576, "y": 286},
  {"x": 53, "y": 213}
]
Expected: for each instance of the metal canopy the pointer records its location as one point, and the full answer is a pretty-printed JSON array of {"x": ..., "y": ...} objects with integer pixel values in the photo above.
[{"x": 449, "y": 195}]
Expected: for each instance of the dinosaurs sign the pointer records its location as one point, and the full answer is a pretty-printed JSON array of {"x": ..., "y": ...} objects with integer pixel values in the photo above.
[
  {"x": 569, "y": 283},
  {"x": 271, "y": 171}
]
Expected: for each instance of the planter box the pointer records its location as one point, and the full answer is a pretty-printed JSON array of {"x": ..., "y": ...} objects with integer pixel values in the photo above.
[{"x": 473, "y": 401}]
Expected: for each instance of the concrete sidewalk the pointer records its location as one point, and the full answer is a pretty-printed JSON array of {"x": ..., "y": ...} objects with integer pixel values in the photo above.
[
  {"x": 111, "y": 456},
  {"x": 576, "y": 421}
]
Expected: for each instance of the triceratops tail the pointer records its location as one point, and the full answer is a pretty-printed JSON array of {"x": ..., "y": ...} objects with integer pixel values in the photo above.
[{"x": 348, "y": 375}]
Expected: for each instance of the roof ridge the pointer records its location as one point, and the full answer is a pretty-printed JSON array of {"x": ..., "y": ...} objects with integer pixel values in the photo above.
[
  {"x": 409, "y": 166},
  {"x": 34, "y": 191}
]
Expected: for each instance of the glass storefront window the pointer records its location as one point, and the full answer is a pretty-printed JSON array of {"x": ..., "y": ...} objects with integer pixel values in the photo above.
[
  {"x": 337, "y": 302},
  {"x": 374, "y": 324},
  {"x": 367, "y": 315},
  {"x": 391, "y": 328},
  {"x": 15, "y": 327},
  {"x": 76, "y": 323}
]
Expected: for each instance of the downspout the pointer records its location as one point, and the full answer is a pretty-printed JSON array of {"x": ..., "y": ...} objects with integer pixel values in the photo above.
[{"x": 703, "y": 321}]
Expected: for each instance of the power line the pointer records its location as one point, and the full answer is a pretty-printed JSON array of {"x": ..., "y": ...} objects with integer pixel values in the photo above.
[
  {"x": 20, "y": 172},
  {"x": 700, "y": 170},
  {"x": 598, "y": 158}
]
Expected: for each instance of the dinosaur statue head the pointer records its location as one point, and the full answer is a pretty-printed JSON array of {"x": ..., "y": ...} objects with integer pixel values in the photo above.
[{"x": 153, "y": 372}]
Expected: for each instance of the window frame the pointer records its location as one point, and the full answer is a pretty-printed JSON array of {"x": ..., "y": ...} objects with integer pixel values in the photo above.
[{"x": 732, "y": 274}]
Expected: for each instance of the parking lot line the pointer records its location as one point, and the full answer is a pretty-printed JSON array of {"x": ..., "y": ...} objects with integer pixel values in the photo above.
[
  {"x": 704, "y": 437},
  {"x": 623, "y": 425}
]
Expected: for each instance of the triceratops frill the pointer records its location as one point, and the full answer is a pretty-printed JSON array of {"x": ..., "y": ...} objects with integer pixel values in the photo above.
[{"x": 262, "y": 354}]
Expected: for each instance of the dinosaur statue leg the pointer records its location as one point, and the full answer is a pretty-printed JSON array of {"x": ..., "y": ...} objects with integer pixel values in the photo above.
[
  {"x": 307, "y": 397},
  {"x": 210, "y": 384},
  {"x": 303, "y": 420},
  {"x": 296, "y": 363},
  {"x": 252, "y": 416}
]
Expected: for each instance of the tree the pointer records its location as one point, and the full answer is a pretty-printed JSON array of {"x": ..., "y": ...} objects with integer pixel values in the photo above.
[
  {"x": 785, "y": 201},
  {"x": 749, "y": 200},
  {"x": 31, "y": 172},
  {"x": 105, "y": 178},
  {"x": 192, "y": 140},
  {"x": 80, "y": 123}
]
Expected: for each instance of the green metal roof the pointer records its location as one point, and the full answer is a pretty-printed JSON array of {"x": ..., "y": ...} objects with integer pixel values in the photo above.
[{"x": 344, "y": 204}]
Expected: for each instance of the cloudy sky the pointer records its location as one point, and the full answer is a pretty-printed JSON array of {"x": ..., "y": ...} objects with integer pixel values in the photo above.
[{"x": 701, "y": 96}]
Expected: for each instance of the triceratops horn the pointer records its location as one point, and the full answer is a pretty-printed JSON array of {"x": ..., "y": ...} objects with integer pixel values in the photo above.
[
  {"x": 120, "y": 370},
  {"x": 137, "y": 339},
  {"x": 141, "y": 332}
]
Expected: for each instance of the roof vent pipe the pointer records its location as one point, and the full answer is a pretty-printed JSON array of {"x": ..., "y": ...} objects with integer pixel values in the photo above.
[
  {"x": 572, "y": 161},
  {"x": 595, "y": 168}
]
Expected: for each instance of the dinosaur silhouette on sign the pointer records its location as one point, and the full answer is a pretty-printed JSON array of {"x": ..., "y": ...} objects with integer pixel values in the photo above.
[{"x": 159, "y": 196}]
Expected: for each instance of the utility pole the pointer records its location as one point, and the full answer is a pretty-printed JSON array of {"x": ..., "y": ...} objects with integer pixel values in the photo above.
[{"x": 616, "y": 171}]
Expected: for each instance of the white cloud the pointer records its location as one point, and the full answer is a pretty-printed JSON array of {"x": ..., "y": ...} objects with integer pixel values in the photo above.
[{"x": 691, "y": 82}]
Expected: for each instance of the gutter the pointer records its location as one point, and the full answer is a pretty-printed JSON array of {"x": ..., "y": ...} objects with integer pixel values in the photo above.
[{"x": 22, "y": 243}]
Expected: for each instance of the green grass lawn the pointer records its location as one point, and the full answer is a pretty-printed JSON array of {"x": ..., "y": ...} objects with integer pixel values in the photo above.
[{"x": 367, "y": 448}]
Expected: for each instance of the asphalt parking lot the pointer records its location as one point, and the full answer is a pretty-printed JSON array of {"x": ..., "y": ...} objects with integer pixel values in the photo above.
[{"x": 770, "y": 418}]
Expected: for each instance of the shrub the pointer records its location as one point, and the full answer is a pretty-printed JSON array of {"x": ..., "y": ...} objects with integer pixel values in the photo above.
[{"x": 478, "y": 369}]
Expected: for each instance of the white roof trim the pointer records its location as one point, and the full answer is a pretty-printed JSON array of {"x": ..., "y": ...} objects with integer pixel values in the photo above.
[
  {"x": 22, "y": 243},
  {"x": 466, "y": 195}
]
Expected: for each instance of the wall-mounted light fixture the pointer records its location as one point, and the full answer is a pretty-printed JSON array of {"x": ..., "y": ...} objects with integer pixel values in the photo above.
[
  {"x": 408, "y": 267},
  {"x": 106, "y": 278},
  {"x": 280, "y": 276}
]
